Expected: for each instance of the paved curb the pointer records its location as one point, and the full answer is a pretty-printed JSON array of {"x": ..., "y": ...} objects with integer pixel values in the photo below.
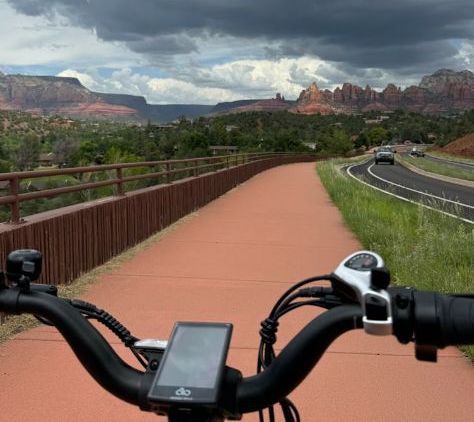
[{"x": 448, "y": 179}]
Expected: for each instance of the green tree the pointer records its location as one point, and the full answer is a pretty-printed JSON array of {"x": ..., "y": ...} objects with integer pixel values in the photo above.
[
  {"x": 362, "y": 140},
  {"x": 376, "y": 135},
  {"x": 340, "y": 142},
  {"x": 193, "y": 144},
  {"x": 66, "y": 152},
  {"x": 4, "y": 162},
  {"x": 26, "y": 154}
]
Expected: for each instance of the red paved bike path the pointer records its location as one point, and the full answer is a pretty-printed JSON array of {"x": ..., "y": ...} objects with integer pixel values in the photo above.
[{"x": 230, "y": 263}]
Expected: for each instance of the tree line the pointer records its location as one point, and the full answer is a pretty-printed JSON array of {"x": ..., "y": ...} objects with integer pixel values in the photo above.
[
  {"x": 86, "y": 143},
  {"x": 23, "y": 137}
]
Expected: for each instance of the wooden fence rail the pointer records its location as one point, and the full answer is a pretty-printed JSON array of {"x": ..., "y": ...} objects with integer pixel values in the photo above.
[
  {"x": 78, "y": 238},
  {"x": 169, "y": 170}
]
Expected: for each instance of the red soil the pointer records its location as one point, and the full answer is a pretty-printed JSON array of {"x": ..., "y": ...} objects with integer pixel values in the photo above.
[{"x": 463, "y": 146}]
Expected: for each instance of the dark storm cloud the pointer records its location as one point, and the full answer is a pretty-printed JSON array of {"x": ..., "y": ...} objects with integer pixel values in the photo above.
[
  {"x": 163, "y": 45},
  {"x": 364, "y": 33},
  {"x": 393, "y": 56}
]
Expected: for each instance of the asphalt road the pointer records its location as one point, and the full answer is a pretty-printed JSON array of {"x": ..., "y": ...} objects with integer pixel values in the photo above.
[
  {"x": 464, "y": 166},
  {"x": 398, "y": 180}
]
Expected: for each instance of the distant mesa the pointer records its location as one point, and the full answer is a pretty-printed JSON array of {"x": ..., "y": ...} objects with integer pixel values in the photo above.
[
  {"x": 50, "y": 95},
  {"x": 274, "y": 104},
  {"x": 443, "y": 91}
]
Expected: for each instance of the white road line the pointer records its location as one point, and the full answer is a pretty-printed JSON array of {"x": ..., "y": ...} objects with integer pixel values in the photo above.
[
  {"x": 450, "y": 161},
  {"x": 348, "y": 170},
  {"x": 417, "y": 191}
]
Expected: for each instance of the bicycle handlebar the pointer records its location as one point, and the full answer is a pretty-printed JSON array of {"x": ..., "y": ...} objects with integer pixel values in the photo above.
[
  {"x": 432, "y": 319},
  {"x": 90, "y": 347},
  {"x": 306, "y": 348},
  {"x": 427, "y": 318},
  {"x": 457, "y": 325}
]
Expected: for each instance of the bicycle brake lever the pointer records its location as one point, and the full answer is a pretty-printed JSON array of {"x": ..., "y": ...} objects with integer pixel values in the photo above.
[{"x": 362, "y": 276}]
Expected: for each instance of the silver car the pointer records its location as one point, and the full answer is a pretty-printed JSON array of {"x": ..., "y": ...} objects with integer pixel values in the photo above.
[{"x": 385, "y": 155}]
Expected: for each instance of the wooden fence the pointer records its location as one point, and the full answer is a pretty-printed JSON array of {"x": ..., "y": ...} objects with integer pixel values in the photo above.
[{"x": 78, "y": 238}]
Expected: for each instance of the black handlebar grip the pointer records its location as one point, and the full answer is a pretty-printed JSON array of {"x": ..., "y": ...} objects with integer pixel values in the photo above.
[
  {"x": 443, "y": 320},
  {"x": 457, "y": 324}
]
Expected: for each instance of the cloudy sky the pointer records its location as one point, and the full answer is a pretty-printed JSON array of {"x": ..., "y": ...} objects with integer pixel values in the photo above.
[{"x": 206, "y": 51}]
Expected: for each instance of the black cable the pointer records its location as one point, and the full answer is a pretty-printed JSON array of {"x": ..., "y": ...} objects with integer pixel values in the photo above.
[
  {"x": 297, "y": 286},
  {"x": 293, "y": 306},
  {"x": 285, "y": 303},
  {"x": 43, "y": 320},
  {"x": 269, "y": 328},
  {"x": 286, "y": 408},
  {"x": 106, "y": 319},
  {"x": 139, "y": 358},
  {"x": 271, "y": 414},
  {"x": 294, "y": 410}
]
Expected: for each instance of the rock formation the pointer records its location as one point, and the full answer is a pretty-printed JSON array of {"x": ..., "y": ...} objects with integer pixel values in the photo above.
[
  {"x": 443, "y": 91},
  {"x": 49, "y": 95}
]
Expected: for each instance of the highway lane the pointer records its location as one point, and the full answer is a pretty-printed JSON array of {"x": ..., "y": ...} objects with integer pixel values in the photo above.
[
  {"x": 448, "y": 197},
  {"x": 458, "y": 164}
]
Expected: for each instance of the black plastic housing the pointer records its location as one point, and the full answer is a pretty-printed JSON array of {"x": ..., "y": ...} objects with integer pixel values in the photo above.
[{"x": 24, "y": 263}]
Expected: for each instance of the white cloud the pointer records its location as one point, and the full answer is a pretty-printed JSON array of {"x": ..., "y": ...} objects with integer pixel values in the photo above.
[
  {"x": 230, "y": 81},
  {"x": 28, "y": 41},
  {"x": 223, "y": 82},
  {"x": 155, "y": 90},
  {"x": 466, "y": 53},
  {"x": 263, "y": 78},
  {"x": 40, "y": 41},
  {"x": 175, "y": 91},
  {"x": 85, "y": 79}
]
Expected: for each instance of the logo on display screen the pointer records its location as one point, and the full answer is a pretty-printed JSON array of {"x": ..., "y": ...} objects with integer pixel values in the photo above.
[{"x": 183, "y": 392}]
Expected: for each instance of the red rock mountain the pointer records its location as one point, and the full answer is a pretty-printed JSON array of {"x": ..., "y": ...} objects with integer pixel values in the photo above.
[
  {"x": 52, "y": 95},
  {"x": 444, "y": 90},
  {"x": 274, "y": 104},
  {"x": 49, "y": 95}
]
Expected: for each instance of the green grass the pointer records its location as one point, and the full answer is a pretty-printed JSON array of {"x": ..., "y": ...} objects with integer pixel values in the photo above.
[
  {"x": 444, "y": 169},
  {"x": 451, "y": 157},
  {"x": 422, "y": 248},
  {"x": 48, "y": 182}
]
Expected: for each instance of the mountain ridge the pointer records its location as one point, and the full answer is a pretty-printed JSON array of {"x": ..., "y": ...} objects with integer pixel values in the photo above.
[{"x": 443, "y": 91}]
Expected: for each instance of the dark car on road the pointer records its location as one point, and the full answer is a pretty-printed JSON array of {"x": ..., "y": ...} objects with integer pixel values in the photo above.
[
  {"x": 384, "y": 155},
  {"x": 416, "y": 152}
]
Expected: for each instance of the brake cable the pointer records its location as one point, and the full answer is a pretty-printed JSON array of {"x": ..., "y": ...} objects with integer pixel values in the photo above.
[
  {"x": 325, "y": 298},
  {"x": 90, "y": 311}
]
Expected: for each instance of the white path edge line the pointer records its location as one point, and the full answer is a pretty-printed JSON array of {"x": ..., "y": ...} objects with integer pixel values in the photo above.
[
  {"x": 463, "y": 163},
  {"x": 348, "y": 170},
  {"x": 417, "y": 191}
]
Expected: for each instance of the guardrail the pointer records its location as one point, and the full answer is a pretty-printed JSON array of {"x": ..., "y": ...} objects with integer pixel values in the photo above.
[
  {"x": 78, "y": 238},
  {"x": 162, "y": 171}
]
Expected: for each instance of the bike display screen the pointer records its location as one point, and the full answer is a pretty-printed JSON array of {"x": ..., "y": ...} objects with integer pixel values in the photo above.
[{"x": 193, "y": 364}]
